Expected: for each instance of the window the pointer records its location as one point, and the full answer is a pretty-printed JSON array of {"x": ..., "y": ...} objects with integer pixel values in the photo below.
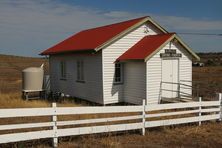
[
  {"x": 80, "y": 71},
  {"x": 118, "y": 73},
  {"x": 63, "y": 69}
]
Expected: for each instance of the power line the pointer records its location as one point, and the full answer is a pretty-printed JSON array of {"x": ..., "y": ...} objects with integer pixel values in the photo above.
[{"x": 206, "y": 34}]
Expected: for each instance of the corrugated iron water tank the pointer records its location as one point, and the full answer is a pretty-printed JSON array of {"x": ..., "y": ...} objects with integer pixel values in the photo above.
[{"x": 32, "y": 78}]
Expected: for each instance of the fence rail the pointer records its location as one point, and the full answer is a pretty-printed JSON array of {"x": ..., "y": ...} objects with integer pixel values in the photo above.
[{"x": 147, "y": 116}]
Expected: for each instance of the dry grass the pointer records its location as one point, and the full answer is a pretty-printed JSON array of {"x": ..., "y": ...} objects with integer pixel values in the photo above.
[
  {"x": 208, "y": 80},
  {"x": 14, "y": 100},
  {"x": 207, "y": 135}
]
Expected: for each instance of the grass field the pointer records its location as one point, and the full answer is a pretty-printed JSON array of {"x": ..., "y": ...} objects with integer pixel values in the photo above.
[
  {"x": 208, "y": 80},
  {"x": 208, "y": 135}
]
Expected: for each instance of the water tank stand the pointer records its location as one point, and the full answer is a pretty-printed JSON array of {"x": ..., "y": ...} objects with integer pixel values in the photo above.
[{"x": 26, "y": 94}]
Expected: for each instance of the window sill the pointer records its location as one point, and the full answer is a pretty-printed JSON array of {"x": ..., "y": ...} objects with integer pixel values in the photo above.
[
  {"x": 118, "y": 83},
  {"x": 64, "y": 79},
  {"x": 80, "y": 81}
]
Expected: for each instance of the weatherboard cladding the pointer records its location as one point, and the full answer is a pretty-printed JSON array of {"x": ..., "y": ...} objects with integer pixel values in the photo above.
[
  {"x": 134, "y": 82},
  {"x": 154, "y": 74},
  {"x": 115, "y": 93},
  {"x": 90, "y": 90}
]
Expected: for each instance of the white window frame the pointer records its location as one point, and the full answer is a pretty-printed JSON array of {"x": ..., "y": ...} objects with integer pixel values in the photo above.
[
  {"x": 63, "y": 73},
  {"x": 118, "y": 80},
  {"x": 80, "y": 71}
]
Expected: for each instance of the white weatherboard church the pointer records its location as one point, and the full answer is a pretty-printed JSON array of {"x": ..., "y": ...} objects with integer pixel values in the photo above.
[{"x": 122, "y": 62}]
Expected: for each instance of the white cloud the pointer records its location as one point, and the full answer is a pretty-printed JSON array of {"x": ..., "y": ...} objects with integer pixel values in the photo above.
[
  {"x": 26, "y": 25},
  {"x": 30, "y": 26},
  {"x": 121, "y": 14}
]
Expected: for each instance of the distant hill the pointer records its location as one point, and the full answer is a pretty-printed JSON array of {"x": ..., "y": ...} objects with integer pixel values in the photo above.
[
  {"x": 211, "y": 58},
  {"x": 18, "y": 63}
]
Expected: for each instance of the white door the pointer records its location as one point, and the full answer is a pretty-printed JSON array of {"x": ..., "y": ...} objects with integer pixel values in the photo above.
[{"x": 170, "y": 75}]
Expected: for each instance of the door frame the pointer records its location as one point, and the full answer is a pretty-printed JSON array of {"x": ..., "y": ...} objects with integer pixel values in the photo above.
[{"x": 171, "y": 58}]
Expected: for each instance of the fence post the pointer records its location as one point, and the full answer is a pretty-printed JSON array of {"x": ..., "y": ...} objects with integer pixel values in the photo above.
[
  {"x": 179, "y": 91},
  {"x": 220, "y": 100},
  {"x": 198, "y": 90},
  {"x": 200, "y": 100},
  {"x": 54, "y": 120},
  {"x": 144, "y": 117}
]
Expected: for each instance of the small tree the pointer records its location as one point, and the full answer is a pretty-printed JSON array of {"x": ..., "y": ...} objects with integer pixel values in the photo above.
[{"x": 210, "y": 63}]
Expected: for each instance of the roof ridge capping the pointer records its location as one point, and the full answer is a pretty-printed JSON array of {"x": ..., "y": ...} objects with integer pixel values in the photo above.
[
  {"x": 106, "y": 35},
  {"x": 165, "y": 34},
  {"x": 134, "y": 19},
  {"x": 143, "y": 20}
]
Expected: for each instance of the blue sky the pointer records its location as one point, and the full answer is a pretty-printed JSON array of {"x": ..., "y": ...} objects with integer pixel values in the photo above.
[
  {"x": 209, "y": 9},
  {"x": 27, "y": 27}
]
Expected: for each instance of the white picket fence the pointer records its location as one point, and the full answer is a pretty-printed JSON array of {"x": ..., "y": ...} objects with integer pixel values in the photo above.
[{"x": 197, "y": 111}]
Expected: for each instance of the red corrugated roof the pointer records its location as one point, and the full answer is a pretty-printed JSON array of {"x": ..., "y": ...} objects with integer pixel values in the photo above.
[
  {"x": 91, "y": 38},
  {"x": 145, "y": 47}
]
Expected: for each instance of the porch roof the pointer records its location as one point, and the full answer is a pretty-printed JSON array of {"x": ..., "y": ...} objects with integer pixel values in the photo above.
[{"x": 145, "y": 47}]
